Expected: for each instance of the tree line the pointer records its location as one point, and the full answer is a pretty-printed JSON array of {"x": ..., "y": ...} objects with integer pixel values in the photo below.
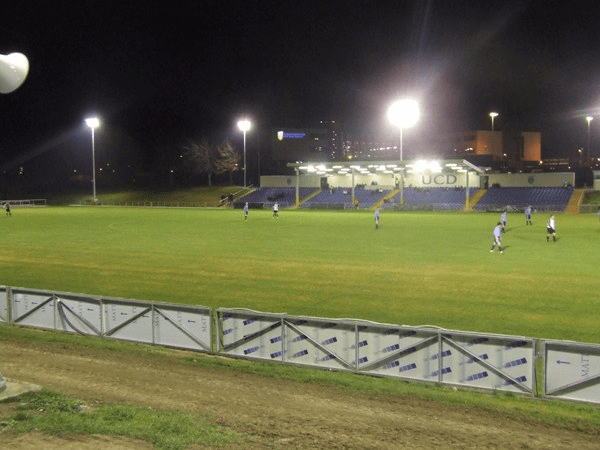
[{"x": 203, "y": 158}]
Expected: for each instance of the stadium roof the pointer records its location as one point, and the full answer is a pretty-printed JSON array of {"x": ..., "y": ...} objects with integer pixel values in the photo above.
[{"x": 390, "y": 167}]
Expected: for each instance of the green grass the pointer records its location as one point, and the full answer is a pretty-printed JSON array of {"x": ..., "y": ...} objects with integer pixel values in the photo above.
[
  {"x": 419, "y": 268},
  {"x": 54, "y": 413}
]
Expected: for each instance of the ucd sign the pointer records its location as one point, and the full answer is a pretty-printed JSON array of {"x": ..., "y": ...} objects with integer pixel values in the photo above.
[{"x": 439, "y": 179}]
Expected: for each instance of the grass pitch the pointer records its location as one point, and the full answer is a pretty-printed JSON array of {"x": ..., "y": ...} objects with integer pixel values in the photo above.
[{"x": 417, "y": 269}]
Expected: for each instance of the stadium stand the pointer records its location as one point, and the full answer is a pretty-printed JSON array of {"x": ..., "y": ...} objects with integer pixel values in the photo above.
[
  {"x": 518, "y": 198},
  {"x": 341, "y": 198},
  {"x": 440, "y": 199},
  {"x": 443, "y": 199}
]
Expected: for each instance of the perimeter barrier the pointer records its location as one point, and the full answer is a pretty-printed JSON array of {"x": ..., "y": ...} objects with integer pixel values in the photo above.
[
  {"x": 504, "y": 363},
  {"x": 179, "y": 326},
  {"x": 569, "y": 370},
  {"x": 27, "y": 203}
]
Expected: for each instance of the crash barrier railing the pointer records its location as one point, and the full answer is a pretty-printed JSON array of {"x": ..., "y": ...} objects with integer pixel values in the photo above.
[
  {"x": 569, "y": 370},
  {"x": 25, "y": 202},
  {"x": 180, "y": 326},
  {"x": 572, "y": 371},
  {"x": 504, "y": 363},
  {"x": 148, "y": 204}
]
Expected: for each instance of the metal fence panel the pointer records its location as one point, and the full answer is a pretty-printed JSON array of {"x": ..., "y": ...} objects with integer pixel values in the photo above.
[
  {"x": 33, "y": 308},
  {"x": 572, "y": 371},
  {"x": 402, "y": 352},
  {"x": 323, "y": 343},
  {"x": 251, "y": 334},
  {"x": 178, "y": 326},
  {"x": 128, "y": 320},
  {"x": 3, "y": 304},
  {"x": 79, "y": 314},
  {"x": 495, "y": 362},
  {"x": 505, "y": 363}
]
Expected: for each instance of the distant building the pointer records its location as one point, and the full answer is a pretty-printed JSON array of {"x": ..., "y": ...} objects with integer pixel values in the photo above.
[{"x": 501, "y": 150}]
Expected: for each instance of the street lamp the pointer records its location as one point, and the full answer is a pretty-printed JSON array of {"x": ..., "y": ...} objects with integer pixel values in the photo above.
[
  {"x": 93, "y": 123},
  {"x": 589, "y": 147},
  {"x": 493, "y": 115},
  {"x": 403, "y": 113},
  {"x": 244, "y": 125}
]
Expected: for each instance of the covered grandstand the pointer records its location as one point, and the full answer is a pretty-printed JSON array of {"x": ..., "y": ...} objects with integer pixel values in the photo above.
[{"x": 450, "y": 185}]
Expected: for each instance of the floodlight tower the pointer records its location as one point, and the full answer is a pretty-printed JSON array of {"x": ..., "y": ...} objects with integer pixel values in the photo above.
[
  {"x": 244, "y": 125},
  {"x": 493, "y": 115},
  {"x": 93, "y": 123},
  {"x": 589, "y": 147},
  {"x": 403, "y": 113}
]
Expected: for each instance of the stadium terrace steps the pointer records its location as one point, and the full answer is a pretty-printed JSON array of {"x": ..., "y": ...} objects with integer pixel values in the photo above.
[
  {"x": 310, "y": 196},
  {"x": 575, "y": 201},
  {"x": 473, "y": 200},
  {"x": 387, "y": 198}
]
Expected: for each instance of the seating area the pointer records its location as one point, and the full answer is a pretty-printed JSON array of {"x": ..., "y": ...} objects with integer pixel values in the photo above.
[
  {"x": 439, "y": 199},
  {"x": 540, "y": 198},
  {"x": 433, "y": 198},
  {"x": 341, "y": 198}
]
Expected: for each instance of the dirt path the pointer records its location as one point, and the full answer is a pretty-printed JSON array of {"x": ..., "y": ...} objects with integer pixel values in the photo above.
[{"x": 274, "y": 413}]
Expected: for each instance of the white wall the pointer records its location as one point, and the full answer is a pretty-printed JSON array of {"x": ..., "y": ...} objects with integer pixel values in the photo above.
[
  {"x": 532, "y": 179},
  {"x": 388, "y": 181},
  {"x": 384, "y": 181}
]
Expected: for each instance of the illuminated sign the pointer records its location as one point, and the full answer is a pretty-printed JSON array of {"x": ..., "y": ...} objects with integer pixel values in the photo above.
[{"x": 281, "y": 135}]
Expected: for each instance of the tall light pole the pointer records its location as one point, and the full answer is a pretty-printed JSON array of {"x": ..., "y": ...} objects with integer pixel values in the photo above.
[
  {"x": 493, "y": 115},
  {"x": 589, "y": 146},
  {"x": 244, "y": 125},
  {"x": 93, "y": 123},
  {"x": 403, "y": 113}
]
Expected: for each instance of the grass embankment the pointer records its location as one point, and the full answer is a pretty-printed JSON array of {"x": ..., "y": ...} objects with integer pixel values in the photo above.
[{"x": 202, "y": 196}]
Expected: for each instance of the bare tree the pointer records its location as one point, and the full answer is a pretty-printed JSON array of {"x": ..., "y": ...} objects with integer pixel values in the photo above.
[
  {"x": 199, "y": 158},
  {"x": 228, "y": 160}
]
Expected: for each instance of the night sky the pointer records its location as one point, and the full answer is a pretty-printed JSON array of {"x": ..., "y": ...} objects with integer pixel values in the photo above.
[{"x": 159, "y": 73}]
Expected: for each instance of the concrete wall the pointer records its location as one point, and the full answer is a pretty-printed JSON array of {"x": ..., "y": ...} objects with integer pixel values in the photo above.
[
  {"x": 375, "y": 181},
  {"x": 532, "y": 179},
  {"x": 388, "y": 181}
]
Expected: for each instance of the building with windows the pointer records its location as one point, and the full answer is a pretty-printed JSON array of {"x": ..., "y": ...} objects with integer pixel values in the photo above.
[{"x": 501, "y": 150}]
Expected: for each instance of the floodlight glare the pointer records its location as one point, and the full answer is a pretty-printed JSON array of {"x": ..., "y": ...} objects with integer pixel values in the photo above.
[
  {"x": 404, "y": 113},
  {"x": 92, "y": 122},
  {"x": 244, "y": 125}
]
